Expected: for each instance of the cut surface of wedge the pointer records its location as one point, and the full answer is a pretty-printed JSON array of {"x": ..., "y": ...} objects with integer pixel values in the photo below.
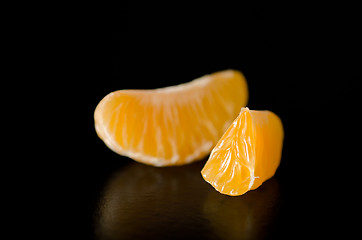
[
  {"x": 173, "y": 125},
  {"x": 248, "y": 153}
]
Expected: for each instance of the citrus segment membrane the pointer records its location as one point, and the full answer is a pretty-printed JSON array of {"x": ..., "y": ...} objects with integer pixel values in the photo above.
[{"x": 173, "y": 125}]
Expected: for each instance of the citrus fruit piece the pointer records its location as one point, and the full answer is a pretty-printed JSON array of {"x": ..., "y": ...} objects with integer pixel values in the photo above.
[
  {"x": 247, "y": 154},
  {"x": 172, "y": 125}
]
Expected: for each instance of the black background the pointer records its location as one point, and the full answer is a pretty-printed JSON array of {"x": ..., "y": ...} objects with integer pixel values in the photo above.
[{"x": 301, "y": 62}]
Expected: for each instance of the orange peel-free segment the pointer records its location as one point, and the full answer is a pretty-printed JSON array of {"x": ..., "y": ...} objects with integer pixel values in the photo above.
[
  {"x": 172, "y": 125},
  {"x": 247, "y": 154}
]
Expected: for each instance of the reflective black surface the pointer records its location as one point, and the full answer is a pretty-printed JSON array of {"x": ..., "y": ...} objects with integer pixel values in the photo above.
[{"x": 176, "y": 203}]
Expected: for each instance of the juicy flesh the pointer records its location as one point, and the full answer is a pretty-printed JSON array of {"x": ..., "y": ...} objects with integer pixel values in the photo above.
[
  {"x": 247, "y": 154},
  {"x": 174, "y": 125}
]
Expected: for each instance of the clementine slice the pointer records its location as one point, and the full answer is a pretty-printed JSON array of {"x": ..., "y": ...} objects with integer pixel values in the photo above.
[
  {"x": 172, "y": 125},
  {"x": 247, "y": 154}
]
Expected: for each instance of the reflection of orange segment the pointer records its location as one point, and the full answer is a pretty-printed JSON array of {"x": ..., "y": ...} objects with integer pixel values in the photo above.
[
  {"x": 172, "y": 125},
  {"x": 247, "y": 154}
]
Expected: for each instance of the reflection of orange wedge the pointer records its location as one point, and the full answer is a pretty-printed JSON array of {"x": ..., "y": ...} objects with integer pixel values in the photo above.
[
  {"x": 247, "y": 154},
  {"x": 173, "y": 125}
]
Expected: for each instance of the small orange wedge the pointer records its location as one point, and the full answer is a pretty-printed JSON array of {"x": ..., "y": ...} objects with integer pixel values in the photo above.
[
  {"x": 172, "y": 125},
  {"x": 247, "y": 154}
]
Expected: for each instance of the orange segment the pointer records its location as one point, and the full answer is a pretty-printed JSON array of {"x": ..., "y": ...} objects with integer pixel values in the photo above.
[
  {"x": 247, "y": 154},
  {"x": 172, "y": 125}
]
